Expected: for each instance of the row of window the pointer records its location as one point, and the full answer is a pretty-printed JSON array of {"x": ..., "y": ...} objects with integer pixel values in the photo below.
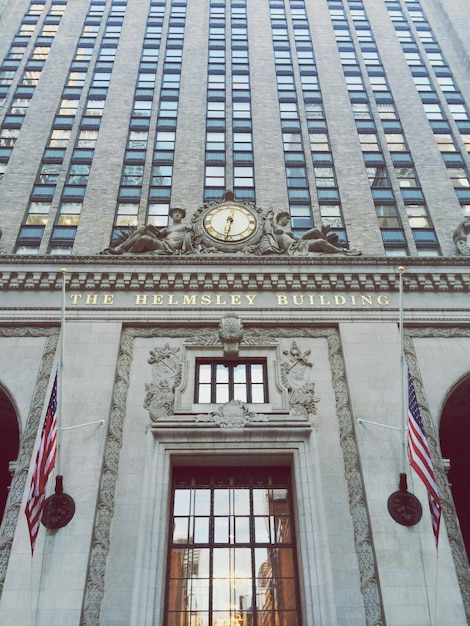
[
  {"x": 416, "y": 211},
  {"x": 324, "y": 174},
  {"x": 218, "y": 134},
  {"x": 52, "y": 173},
  {"x": 133, "y": 171},
  {"x": 394, "y": 143},
  {"x": 442, "y": 100},
  {"x": 25, "y": 88}
]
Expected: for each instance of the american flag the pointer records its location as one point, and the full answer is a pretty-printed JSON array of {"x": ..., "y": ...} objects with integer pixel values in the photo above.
[
  {"x": 420, "y": 458},
  {"x": 45, "y": 461}
]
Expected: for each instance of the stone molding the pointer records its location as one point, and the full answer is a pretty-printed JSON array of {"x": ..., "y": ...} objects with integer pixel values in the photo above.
[
  {"x": 265, "y": 273},
  {"x": 28, "y": 438},
  {"x": 368, "y": 570}
]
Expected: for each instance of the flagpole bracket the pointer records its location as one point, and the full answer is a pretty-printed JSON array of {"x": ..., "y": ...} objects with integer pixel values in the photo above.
[
  {"x": 403, "y": 506},
  {"x": 59, "y": 508}
]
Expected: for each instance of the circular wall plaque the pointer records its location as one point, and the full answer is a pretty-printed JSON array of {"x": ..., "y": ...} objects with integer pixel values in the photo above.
[{"x": 404, "y": 508}]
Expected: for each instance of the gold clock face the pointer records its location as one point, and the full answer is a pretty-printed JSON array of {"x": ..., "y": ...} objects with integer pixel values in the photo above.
[{"x": 230, "y": 223}]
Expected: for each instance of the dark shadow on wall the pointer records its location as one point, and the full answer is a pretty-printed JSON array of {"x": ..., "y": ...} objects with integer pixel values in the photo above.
[
  {"x": 9, "y": 444},
  {"x": 454, "y": 435}
]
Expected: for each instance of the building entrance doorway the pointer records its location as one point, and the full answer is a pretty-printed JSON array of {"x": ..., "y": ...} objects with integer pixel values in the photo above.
[
  {"x": 454, "y": 434},
  {"x": 232, "y": 559}
]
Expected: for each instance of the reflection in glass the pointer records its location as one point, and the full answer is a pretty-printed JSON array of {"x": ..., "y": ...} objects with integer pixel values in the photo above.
[{"x": 232, "y": 557}]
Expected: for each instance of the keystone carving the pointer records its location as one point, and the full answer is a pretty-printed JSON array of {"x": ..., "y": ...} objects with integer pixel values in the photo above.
[{"x": 230, "y": 334}]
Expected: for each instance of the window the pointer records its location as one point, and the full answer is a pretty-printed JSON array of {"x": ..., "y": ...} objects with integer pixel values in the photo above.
[
  {"x": 232, "y": 548},
  {"x": 222, "y": 381}
]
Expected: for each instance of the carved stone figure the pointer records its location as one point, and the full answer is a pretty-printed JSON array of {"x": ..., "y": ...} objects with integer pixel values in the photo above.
[
  {"x": 173, "y": 239},
  {"x": 230, "y": 333},
  {"x": 278, "y": 239},
  {"x": 166, "y": 374},
  {"x": 295, "y": 376},
  {"x": 461, "y": 238}
]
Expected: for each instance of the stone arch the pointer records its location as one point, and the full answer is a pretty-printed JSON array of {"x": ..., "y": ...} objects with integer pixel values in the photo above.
[
  {"x": 9, "y": 444},
  {"x": 454, "y": 433}
]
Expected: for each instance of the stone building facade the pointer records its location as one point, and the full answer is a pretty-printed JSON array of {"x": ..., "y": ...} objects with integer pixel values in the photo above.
[{"x": 223, "y": 200}]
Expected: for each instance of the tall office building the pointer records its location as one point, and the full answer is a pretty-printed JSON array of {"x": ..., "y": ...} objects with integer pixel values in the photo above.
[{"x": 251, "y": 221}]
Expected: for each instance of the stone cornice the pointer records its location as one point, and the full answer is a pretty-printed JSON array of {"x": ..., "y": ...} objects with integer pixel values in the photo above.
[{"x": 236, "y": 272}]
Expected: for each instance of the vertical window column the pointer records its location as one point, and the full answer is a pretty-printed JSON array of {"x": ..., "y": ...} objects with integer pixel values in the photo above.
[
  {"x": 215, "y": 152},
  {"x": 439, "y": 93},
  {"x": 243, "y": 161},
  {"x": 164, "y": 153}
]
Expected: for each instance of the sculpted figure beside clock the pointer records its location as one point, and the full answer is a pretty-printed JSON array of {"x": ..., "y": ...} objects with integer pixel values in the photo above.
[
  {"x": 279, "y": 239},
  {"x": 168, "y": 240},
  {"x": 229, "y": 227}
]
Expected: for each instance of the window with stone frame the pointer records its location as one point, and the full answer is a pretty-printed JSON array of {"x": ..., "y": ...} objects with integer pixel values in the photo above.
[{"x": 220, "y": 381}]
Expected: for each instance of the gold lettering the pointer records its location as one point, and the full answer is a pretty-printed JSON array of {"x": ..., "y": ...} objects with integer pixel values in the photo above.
[
  {"x": 281, "y": 300},
  {"x": 141, "y": 299},
  {"x": 353, "y": 301},
  {"x": 235, "y": 298},
  {"x": 311, "y": 299},
  {"x": 383, "y": 300},
  {"x": 323, "y": 303},
  {"x": 171, "y": 299},
  {"x": 205, "y": 300},
  {"x": 74, "y": 297},
  {"x": 189, "y": 299},
  {"x": 250, "y": 298},
  {"x": 91, "y": 299},
  {"x": 339, "y": 300},
  {"x": 298, "y": 300},
  {"x": 108, "y": 298},
  {"x": 219, "y": 301},
  {"x": 157, "y": 299},
  {"x": 366, "y": 300}
]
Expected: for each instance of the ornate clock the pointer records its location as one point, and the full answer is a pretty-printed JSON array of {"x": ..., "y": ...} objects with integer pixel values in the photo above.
[{"x": 229, "y": 226}]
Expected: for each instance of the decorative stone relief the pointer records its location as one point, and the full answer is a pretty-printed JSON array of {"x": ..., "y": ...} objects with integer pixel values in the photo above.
[
  {"x": 229, "y": 226},
  {"x": 296, "y": 371},
  {"x": 230, "y": 334},
  {"x": 233, "y": 414},
  {"x": 461, "y": 237},
  {"x": 166, "y": 375},
  {"x": 105, "y": 506}
]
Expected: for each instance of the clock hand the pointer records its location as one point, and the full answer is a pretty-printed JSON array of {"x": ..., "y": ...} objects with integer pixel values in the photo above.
[{"x": 229, "y": 223}]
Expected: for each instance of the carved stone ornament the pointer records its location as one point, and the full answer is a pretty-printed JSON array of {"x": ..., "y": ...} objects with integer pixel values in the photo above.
[
  {"x": 228, "y": 226},
  {"x": 233, "y": 414},
  {"x": 230, "y": 334},
  {"x": 296, "y": 371},
  {"x": 461, "y": 237},
  {"x": 166, "y": 375}
]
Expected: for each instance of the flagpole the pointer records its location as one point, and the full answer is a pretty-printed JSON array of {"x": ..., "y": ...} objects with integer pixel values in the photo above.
[
  {"x": 403, "y": 397},
  {"x": 61, "y": 373}
]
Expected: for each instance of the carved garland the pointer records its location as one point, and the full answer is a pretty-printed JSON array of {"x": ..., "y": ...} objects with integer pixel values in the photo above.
[
  {"x": 18, "y": 484},
  {"x": 94, "y": 589}
]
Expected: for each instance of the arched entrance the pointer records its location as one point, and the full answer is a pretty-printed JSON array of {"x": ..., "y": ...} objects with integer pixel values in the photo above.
[
  {"x": 454, "y": 434},
  {"x": 9, "y": 443}
]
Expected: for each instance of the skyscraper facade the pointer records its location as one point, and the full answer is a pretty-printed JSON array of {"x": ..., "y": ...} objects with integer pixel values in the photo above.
[{"x": 233, "y": 227}]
